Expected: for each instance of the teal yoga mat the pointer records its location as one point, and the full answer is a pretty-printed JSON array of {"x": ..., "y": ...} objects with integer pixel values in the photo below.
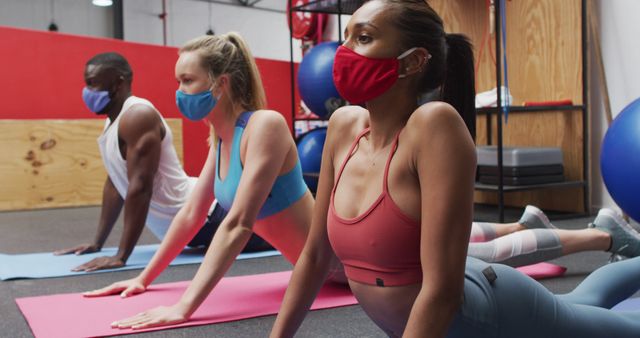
[{"x": 46, "y": 265}]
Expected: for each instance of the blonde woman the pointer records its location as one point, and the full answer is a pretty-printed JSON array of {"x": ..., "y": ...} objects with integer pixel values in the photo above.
[{"x": 252, "y": 169}]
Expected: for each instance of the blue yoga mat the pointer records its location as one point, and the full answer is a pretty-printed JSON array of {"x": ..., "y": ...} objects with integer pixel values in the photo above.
[
  {"x": 631, "y": 304},
  {"x": 46, "y": 265}
]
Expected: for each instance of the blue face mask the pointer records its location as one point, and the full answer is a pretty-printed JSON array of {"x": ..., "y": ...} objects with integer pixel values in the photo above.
[
  {"x": 96, "y": 100},
  {"x": 195, "y": 106}
]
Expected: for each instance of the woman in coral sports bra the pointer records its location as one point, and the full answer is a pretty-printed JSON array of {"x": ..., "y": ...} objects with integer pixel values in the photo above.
[{"x": 395, "y": 200}]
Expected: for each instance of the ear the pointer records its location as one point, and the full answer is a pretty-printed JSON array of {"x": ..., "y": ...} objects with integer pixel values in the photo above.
[
  {"x": 223, "y": 80},
  {"x": 118, "y": 83},
  {"x": 415, "y": 62},
  {"x": 223, "y": 83}
]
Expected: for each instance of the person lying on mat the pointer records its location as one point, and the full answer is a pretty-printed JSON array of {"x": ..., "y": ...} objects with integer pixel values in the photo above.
[
  {"x": 395, "y": 200},
  {"x": 534, "y": 239},
  {"x": 144, "y": 172},
  {"x": 252, "y": 170}
]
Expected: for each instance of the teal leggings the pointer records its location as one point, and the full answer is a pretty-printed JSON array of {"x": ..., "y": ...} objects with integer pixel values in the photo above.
[{"x": 514, "y": 305}]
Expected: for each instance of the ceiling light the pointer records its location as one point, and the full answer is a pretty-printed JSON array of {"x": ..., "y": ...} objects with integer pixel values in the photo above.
[{"x": 102, "y": 3}]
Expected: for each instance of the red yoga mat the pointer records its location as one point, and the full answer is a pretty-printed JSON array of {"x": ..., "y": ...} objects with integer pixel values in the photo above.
[{"x": 234, "y": 298}]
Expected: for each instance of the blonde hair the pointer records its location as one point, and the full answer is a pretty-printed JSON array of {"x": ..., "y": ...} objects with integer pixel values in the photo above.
[{"x": 229, "y": 54}]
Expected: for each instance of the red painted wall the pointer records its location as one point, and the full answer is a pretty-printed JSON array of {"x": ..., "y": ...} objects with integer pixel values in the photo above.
[{"x": 42, "y": 78}]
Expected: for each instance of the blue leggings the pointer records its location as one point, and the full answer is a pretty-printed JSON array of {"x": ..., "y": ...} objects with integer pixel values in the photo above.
[{"x": 514, "y": 305}]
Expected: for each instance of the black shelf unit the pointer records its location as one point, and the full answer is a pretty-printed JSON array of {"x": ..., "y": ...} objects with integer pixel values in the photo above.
[
  {"x": 501, "y": 188},
  {"x": 566, "y": 184},
  {"x": 528, "y": 109}
]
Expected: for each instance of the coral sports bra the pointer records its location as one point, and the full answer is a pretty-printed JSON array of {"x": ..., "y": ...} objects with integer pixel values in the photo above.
[{"x": 381, "y": 246}]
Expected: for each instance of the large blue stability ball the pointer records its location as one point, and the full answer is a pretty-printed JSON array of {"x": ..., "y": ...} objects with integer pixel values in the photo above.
[
  {"x": 310, "y": 147},
  {"x": 315, "y": 80},
  {"x": 620, "y": 160}
]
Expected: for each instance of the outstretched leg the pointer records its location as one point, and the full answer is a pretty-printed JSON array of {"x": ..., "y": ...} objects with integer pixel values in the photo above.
[
  {"x": 519, "y": 248},
  {"x": 514, "y": 305},
  {"x": 527, "y": 309},
  {"x": 532, "y": 218},
  {"x": 608, "y": 285},
  {"x": 539, "y": 245}
]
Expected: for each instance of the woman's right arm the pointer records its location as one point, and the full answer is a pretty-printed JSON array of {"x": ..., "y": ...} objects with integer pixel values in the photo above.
[
  {"x": 183, "y": 228},
  {"x": 311, "y": 268}
]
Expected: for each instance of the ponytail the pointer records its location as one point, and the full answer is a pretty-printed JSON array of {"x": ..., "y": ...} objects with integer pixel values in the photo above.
[
  {"x": 450, "y": 70},
  {"x": 458, "y": 88},
  {"x": 254, "y": 97},
  {"x": 229, "y": 54}
]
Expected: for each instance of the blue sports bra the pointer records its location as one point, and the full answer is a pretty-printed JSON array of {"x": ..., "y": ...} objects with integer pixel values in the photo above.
[{"x": 286, "y": 190}]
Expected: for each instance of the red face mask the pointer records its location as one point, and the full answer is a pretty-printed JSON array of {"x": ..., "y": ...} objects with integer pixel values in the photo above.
[{"x": 360, "y": 79}]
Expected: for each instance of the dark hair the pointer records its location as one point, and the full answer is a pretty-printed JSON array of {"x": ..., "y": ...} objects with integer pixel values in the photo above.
[
  {"x": 451, "y": 67},
  {"x": 113, "y": 61}
]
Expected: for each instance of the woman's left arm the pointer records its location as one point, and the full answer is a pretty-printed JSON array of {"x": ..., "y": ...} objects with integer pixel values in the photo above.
[{"x": 444, "y": 159}]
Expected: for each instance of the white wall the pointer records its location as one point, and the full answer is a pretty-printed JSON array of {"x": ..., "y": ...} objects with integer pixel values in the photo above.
[
  {"x": 619, "y": 27},
  {"x": 71, "y": 16},
  {"x": 266, "y": 32}
]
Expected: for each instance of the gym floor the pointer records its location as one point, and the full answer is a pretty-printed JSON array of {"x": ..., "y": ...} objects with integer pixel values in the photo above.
[{"x": 38, "y": 231}]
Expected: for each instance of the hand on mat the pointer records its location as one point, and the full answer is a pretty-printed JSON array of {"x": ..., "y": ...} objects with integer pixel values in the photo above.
[
  {"x": 159, "y": 316},
  {"x": 125, "y": 288},
  {"x": 78, "y": 250},
  {"x": 99, "y": 263}
]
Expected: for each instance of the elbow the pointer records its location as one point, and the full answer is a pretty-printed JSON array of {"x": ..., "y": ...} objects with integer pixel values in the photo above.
[
  {"x": 448, "y": 297},
  {"x": 189, "y": 218},
  {"x": 141, "y": 186},
  {"x": 238, "y": 223},
  {"x": 186, "y": 216}
]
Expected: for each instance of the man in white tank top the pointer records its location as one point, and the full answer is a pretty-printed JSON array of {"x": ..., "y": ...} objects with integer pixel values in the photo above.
[{"x": 144, "y": 173}]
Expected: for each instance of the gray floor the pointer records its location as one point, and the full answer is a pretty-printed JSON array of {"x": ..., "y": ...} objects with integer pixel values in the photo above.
[{"x": 37, "y": 231}]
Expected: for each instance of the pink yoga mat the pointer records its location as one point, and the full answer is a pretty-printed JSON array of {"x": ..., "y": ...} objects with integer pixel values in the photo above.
[
  {"x": 543, "y": 270},
  {"x": 234, "y": 298}
]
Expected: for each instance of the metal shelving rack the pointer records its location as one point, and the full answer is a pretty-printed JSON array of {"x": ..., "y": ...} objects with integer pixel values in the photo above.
[
  {"x": 501, "y": 188},
  {"x": 349, "y": 6}
]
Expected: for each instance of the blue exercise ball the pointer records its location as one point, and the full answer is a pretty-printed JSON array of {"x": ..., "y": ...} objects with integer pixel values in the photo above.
[
  {"x": 620, "y": 159},
  {"x": 315, "y": 80},
  {"x": 310, "y": 147}
]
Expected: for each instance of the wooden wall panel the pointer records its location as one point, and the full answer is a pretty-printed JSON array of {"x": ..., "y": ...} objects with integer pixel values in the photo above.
[
  {"x": 545, "y": 63},
  {"x": 543, "y": 45},
  {"x": 55, "y": 163}
]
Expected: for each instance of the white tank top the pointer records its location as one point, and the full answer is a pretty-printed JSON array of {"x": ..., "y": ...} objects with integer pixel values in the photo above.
[{"x": 171, "y": 185}]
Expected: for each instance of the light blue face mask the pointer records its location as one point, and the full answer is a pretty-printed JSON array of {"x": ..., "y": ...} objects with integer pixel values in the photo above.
[
  {"x": 195, "y": 106},
  {"x": 96, "y": 100}
]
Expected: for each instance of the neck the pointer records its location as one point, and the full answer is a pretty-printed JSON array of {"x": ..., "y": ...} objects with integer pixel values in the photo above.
[
  {"x": 388, "y": 114},
  {"x": 116, "y": 106},
  {"x": 223, "y": 117}
]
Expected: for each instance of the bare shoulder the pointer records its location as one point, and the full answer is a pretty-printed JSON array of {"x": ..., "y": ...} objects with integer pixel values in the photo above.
[
  {"x": 437, "y": 127},
  {"x": 139, "y": 119},
  {"x": 437, "y": 119},
  {"x": 348, "y": 121},
  {"x": 141, "y": 112},
  {"x": 268, "y": 123},
  {"x": 268, "y": 116},
  {"x": 434, "y": 116}
]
